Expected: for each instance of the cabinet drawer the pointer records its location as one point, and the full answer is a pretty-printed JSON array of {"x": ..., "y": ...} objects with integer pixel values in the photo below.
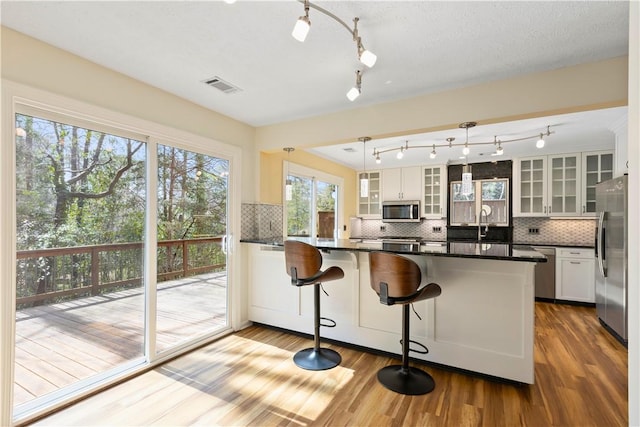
[{"x": 575, "y": 253}]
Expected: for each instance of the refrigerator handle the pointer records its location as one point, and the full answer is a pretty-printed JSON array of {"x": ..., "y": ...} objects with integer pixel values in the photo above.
[{"x": 600, "y": 244}]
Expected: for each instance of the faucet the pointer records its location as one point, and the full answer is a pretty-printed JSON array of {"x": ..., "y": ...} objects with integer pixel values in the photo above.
[{"x": 482, "y": 234}]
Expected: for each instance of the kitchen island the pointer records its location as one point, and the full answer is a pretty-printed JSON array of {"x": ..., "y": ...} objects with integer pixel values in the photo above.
[{"x": 483, "y": 322}]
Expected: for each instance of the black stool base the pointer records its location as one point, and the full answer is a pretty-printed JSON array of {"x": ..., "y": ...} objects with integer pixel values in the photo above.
[
  {"x": 317, "y": 360},
  {"x": 412, "y": 381}
]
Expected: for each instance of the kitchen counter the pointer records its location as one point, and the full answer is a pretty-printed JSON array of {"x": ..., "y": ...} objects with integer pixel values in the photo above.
[
  {"x": 496, "y": 251},
  {"x": 482, "y": 322}
]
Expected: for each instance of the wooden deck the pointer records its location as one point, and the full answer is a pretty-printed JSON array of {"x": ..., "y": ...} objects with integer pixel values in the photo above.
[{"x": 60, "y": 344}]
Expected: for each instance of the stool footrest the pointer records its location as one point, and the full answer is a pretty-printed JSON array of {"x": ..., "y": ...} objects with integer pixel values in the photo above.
[
  {"x": 317, "y": 360},
  {"x": 424, "y": 349},
  {"x": 410, "y": 381},
  {"x": 331, "y": 323}
]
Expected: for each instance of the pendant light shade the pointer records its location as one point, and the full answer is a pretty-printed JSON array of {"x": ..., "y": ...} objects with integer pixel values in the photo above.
[
  {"x": 467, "y": 178},
  {"x": 364, "y": 177},
  {"x": 288, "y": 184}
]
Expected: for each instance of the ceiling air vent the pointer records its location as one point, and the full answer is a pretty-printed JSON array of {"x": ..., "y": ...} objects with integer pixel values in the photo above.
[
  {"x": 221, "y": 85},
  {"x": 349, "y": 150}
]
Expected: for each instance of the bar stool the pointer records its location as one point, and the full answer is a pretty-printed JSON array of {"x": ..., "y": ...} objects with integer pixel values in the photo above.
[
  {"x": 303, "y": 263},
  {"x": 396, "y": 280}
]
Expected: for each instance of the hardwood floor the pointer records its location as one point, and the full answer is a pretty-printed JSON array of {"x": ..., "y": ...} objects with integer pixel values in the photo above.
[{"x": 249, "y": 378}]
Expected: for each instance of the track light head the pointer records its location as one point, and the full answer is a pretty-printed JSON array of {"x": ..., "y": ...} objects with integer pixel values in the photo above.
[
  {"x": 367, "y": 57},
  {"x": 465, "y": 150},
  {"x": 303, "y": 24},
  {"x": 355, "y": 91},
  {"x": 432, "y": 155},
  {"x": 540, "y": 142},
  {"x": 301, "y": 29}
]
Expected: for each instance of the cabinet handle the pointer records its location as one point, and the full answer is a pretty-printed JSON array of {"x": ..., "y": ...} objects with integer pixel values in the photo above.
[
  {"x": 574, "y": 253},
  {"x": 584, "y": 208},
  {"x": 575, "y": 262},
  {"x": 545, "y": 209}
]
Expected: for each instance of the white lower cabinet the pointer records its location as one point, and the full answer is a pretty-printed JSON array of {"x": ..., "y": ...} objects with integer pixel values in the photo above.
[
  {"x": 482, "y": 322},
  {"x": 575, "y": 280}
]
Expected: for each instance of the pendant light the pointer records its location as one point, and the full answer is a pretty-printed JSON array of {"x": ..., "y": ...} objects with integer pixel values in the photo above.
[
  {"x": 364, "y": 178},
  {"x": 467, "y": 181},
  {"x": 288, "y": 187}
]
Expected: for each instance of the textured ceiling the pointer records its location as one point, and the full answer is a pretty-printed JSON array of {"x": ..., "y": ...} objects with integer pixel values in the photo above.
[{"x": 422, "y": 46}]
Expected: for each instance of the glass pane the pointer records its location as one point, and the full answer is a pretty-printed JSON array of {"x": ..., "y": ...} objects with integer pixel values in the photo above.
[
  {"x": 299, "y": 207},
  {"x": 326, "y": 209},
  {"x": 606, "y": 175},
  {"x": 606, "y": 162},
  {"x": 80, "y": 203},
  {"x": 525, "y": 165},
  {"x": 571, "y": 162},
  {"x": 537, "y": 164},
  {"x": 192, "y": 266},
  {"x": 592, "y": 163},
  {"x": 557, "y": 162}
]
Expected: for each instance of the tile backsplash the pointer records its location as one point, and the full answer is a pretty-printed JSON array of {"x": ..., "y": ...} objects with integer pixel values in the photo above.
[
  {"x": 260, "y": 220},
  {"x": 579, "y": 232}
]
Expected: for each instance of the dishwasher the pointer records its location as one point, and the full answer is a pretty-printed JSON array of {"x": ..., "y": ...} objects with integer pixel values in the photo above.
[{"x": 545, "y": 282}]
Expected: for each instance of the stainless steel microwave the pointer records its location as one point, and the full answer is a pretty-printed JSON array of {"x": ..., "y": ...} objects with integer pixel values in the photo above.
[{"x": 401, "y": 211}]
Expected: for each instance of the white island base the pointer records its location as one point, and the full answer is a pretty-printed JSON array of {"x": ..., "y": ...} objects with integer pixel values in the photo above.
[{"x": 482, "y": 322}]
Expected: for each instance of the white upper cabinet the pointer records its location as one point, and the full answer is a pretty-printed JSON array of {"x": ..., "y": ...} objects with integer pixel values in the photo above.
[
  {"x": 402, "y": 183},
  {"x": 530, "y": 191},
  {"x": 369, "y": 202},
  {"x": 564, "y": 185},
  {"x": 597, "y": 166},
  {"x": 561, "y": 184},
  {"x": 434, "y": 191}
]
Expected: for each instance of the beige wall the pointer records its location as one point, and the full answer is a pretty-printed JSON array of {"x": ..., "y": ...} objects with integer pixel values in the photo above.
[
  {"x": 580, "y": 88},
  {"x": 33, "y": 63},
  {"x": 583, "y": 87}
]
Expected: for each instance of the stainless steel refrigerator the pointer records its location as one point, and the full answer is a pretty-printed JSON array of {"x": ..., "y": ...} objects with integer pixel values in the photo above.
[{"x": 611, "y": 255}]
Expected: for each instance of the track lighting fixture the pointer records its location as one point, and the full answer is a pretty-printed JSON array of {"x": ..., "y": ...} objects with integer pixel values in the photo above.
[
  {"x": 466, "y": 145},
  {"x": 303, "y": 24},
  {"x": 365, "y": 56},
  {"x": 368, "y": 58},
  {"x": 354, "y": 92},
  {"x": 378, "y": 161}
]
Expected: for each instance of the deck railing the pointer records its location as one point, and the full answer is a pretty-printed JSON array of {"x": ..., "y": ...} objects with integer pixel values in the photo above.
[{"x": 55, "y": 274}]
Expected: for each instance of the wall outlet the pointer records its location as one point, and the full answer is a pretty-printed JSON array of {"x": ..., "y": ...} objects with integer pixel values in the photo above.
[
  {"x": 534, "y": 231},
  {"x": 436, "y": 229},
  {"x": 383, "y": 228}
]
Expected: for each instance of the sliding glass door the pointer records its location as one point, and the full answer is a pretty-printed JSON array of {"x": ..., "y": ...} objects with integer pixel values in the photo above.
[
  {"x": 80, "y": 214},
  {"x": 192, "y": 257},
  {"x": 88, "y": 306}
]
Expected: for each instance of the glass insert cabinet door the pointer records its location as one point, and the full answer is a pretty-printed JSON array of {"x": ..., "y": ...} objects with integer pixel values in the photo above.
[
  {"x": 369, "y": 203},
  {"x": 564, "y": 185},
  {"x": 532, "y": 186},
  {"x": 598, "y": 167},
  {"x": 432, "y": 201}
]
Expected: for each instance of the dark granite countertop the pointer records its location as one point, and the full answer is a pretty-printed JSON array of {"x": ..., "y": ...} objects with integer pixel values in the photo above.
[{"x": 495, "y": 251}]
